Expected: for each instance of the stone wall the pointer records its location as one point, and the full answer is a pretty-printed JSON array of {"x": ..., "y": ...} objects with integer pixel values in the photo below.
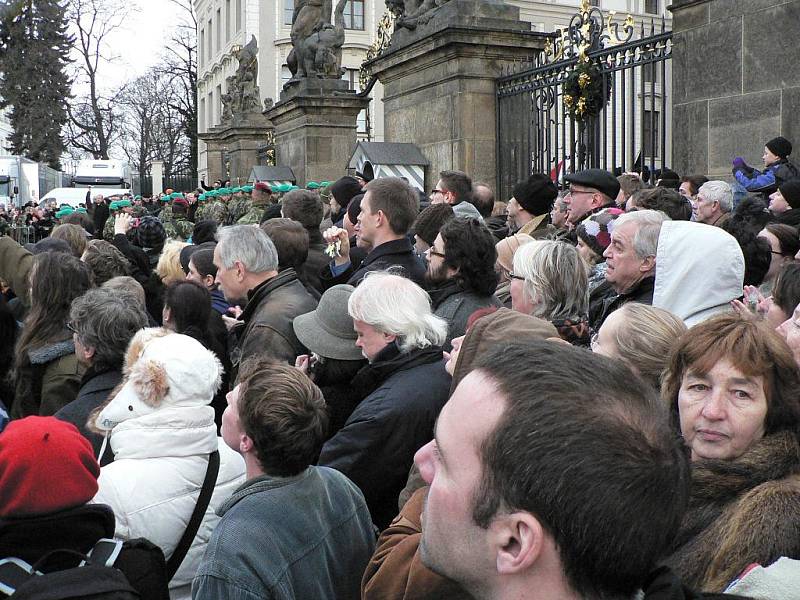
[{"x": 736, "y": 81}]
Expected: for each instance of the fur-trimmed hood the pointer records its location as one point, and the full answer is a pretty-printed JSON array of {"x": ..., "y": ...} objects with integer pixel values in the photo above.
[
  {"x": 741, "y": 511},
  {"x": 163, "y": 370}
]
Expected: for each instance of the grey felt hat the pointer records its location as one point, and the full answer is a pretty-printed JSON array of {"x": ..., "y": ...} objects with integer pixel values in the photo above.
[{"x": 328, "y": 330}]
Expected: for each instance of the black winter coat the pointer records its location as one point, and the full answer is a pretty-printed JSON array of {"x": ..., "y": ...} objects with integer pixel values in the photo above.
[
  {"x": 396, "y": 253},
  {"x": 376, "y": 447},
  {"x": 95, "y": 389}
]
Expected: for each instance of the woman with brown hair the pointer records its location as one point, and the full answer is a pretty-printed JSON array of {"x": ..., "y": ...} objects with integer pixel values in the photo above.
[{"x": 733, "y": 390}]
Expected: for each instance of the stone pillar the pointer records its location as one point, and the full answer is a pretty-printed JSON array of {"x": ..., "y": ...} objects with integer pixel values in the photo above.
[
  {"x": 157, "y": 173},
  {"x": 439, "y": 83},
  {"x": 735, "y": 81},
  {"x": 315, "y": 128},
  {"x": 233, "y": 147}
]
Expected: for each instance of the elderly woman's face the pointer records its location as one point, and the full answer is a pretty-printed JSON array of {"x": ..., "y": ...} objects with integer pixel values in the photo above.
[
  {"x": 520, "y": 301},
  {"x": 722, "y": 412}
]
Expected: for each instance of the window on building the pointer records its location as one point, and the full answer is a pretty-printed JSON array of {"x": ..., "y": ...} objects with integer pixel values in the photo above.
[
  {"x": 228, "y": 20},
  {"x": 202, "y": 47},
  {"x": 651, "y": 7},
  {"x": 351, "y": 77},
  {"x": 218, "y": 46},
  {"x": 651, "y": 120},
  {"x": 361, "y": 123},
  {"x": 218, "y": 105},
  {"x": 210, "y": 117},
  {"x": 201, "y": 115},
  {"x": 288, "y": 12},
  {"x": 354, "y": 15},
  {"x": 209, "y": 54},
  {"x": 238, "y": 15}
]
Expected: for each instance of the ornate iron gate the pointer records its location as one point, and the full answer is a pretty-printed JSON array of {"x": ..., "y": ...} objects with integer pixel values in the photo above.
[{"x": 537, "y": 133}]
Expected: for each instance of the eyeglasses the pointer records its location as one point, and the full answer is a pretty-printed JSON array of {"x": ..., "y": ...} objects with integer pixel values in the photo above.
[
  {"x": 433, "y": 252},
  {"x": 512, "y": 275},
  {"x": 71, "y": 327},
  {"x": 572, "y": 192},
  {"x": 436, "y": 192}
]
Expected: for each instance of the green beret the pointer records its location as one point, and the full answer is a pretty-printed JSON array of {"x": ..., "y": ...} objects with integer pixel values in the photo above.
[
  {"x": 202, "y": 197},
  {"x": 137, "y": 197},
  {"x": 174, "y": 195},
  {"x": 247, "y": 189},
  {"x": 68, "y": 210},
  {"x": 81, "y": 210},
  {"x": 312, "y": 185},
  {"x": 292, "y": 188},
  {"x": 166, "y": 198},
  {"x": 324, "y": 183},
  {"x": 113, "y": 206},
  {"x": 123, "y": 203},
  {"x": 236, "y": 190}
]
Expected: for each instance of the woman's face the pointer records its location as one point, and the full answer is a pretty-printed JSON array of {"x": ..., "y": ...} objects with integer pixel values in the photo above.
[
  {"x": 452, "y": 356},
  {"x": 790, "y": 330},
  {"x": 587, "y": 254},
  {"x": 777, "y": 259},
  {"x": 722, "y": 412},
  {"x": 520, "y": 301}
]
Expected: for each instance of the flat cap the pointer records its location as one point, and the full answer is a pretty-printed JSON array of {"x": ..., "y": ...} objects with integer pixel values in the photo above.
[{"x": 597, "y": 179}]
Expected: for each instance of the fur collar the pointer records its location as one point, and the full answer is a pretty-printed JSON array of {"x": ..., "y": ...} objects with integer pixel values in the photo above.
[{"x": 46, "y": 354}]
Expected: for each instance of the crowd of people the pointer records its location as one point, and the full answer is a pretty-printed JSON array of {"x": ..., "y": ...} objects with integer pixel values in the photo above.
[{"x": 358, "y": 390}]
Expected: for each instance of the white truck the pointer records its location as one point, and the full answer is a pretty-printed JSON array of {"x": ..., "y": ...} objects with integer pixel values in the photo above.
[
  {"x": 23, "y": 180},
  {"x": 102, "y": 173}
]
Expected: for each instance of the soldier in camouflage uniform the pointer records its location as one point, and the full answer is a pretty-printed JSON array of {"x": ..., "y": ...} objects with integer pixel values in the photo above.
[
  {"x": 166, "y": 212},
  {"x": 115, "y": 208},
  {"x": 238, "y": 205},
  {"x": 180, "y": 227},
  {"x": 214, "y": 209},
  {"x": 260, "y": 200}
]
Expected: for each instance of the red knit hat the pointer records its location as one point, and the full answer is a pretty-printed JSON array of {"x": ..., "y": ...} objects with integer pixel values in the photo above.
[{"x": 46, "y": 465}]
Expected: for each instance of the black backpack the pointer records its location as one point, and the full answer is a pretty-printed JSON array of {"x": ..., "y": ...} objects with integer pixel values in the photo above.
[{"x": 97, "y": 576}]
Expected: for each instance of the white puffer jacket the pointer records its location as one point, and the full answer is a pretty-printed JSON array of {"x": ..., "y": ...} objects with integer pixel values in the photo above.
[{"x": 161, "y": 442}]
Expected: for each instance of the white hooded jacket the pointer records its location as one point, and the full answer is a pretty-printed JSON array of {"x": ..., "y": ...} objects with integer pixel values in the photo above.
[
  {"x": 162, "y": 431},
  {"x": 699, "y": 270}
]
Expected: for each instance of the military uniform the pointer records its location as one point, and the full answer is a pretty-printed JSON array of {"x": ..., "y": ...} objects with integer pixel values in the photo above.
[
  {"x": 166, "y": 214},
  {"x": 183, "y": 228},
  {"x": 238, "y": 207},
  {"x": 215, "y": 211},
  {"x": 254, "y": 215},
  {"x": 108, "y": 229}
]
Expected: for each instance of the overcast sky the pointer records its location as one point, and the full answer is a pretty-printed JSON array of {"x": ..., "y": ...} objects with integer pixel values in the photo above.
[{"x": 140, "y": 41}]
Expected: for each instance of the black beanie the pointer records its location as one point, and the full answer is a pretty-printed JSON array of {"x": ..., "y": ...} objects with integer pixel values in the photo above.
[
  {"x": 779, "y": 146},
  {"x": 344, "y": 189},
  {"x": 536, "y": 195},
  {"x": 430, "y": 221},
  {"x": 354, "y": 208},
  {"x": 790, "y": 190}
]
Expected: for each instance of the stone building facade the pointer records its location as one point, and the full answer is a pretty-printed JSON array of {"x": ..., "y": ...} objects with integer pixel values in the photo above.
[{"x": 225, "y": 25}]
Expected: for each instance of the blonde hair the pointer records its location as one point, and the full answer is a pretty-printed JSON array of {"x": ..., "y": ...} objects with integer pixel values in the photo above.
[
  {"x": 555, "y": 279},
  {"x": 395, "y": 305},
  {"x": 74, "y": 235},
  {"x": 645, "y": 340},
  {"x": 169, "y": 263}
]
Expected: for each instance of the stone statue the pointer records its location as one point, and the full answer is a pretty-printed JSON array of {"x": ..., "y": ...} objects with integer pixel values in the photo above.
[
  {"x": 316, "y": 43},
  {"x": 410, "y": 13},
  {"x": 242, "y": 94}
]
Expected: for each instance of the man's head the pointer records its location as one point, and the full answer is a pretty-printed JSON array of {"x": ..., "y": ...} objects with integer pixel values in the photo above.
[
  {"x": 105, "y": 260},
  {"x": 103, "y": 322},
  {"x": 666, "y": 200},
  {"x": 553, "y": 469},
  {"x": 589, "y": 190},
  {"x": 483, "y": 199},
  {"x": 303, "y": 206},
  {"x": 463, "y": 251},
  {"x": 388, "y": 210},
  {"x": 244, "y": 257},
  {"x": 291, "y": 242},
  {"x": 276, "y": 418},
  {"x": 786, "y": 197},
  {"x": 261, "y": 193},
  {"x": 713, "y": 199},
  {"x": 532, "y": 198},
  {"x": 452, "y": 188},
  {"x": 631, "y": 255},
  {"x": 628, "y": 184}
]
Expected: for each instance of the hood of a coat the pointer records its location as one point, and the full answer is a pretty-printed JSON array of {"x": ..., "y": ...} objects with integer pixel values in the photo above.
[
  {"x": 163, "y": 371},
  {"x": 699, "y": 270}
]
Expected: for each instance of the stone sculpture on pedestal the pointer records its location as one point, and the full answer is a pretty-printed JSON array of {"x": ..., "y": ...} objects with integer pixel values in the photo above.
[
  {"x": 316, "y": 42},
  {"x": 242, "y": 95}
]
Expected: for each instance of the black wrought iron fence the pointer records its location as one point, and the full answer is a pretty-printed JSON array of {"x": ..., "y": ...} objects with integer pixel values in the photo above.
[{"x": 537, "y": 133}]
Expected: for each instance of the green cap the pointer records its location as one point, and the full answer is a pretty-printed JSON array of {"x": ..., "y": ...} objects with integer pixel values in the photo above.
[
  {"x": 312, "y": 185},
  {"x": 166, "y": 198},
  {"x": 202, "y": 197},
  {"x": 81, "y": 210},
  {"x": 68, "y": 210},
  {"x": 236, "y": 190},
  {"x": 292, "y": 188},
  {"x": 174, "y": 195},
  {"x": 113, "y": 206},
  {"x": 137, "y": 197},
  {"x": 324, "y": 183},
  {"x": 247, "y": 189}
]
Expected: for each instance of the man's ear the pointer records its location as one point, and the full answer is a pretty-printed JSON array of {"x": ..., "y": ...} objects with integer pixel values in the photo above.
[
  {"x": 518, "y": 540},
  {"x": 648, "y": 264},
  {"x": 245, "y": 444}
]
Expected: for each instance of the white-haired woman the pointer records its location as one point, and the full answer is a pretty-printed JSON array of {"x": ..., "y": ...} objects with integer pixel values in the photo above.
[
  {"x": 550, "y": 282},
  {"x": 404, "y": 386}
]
